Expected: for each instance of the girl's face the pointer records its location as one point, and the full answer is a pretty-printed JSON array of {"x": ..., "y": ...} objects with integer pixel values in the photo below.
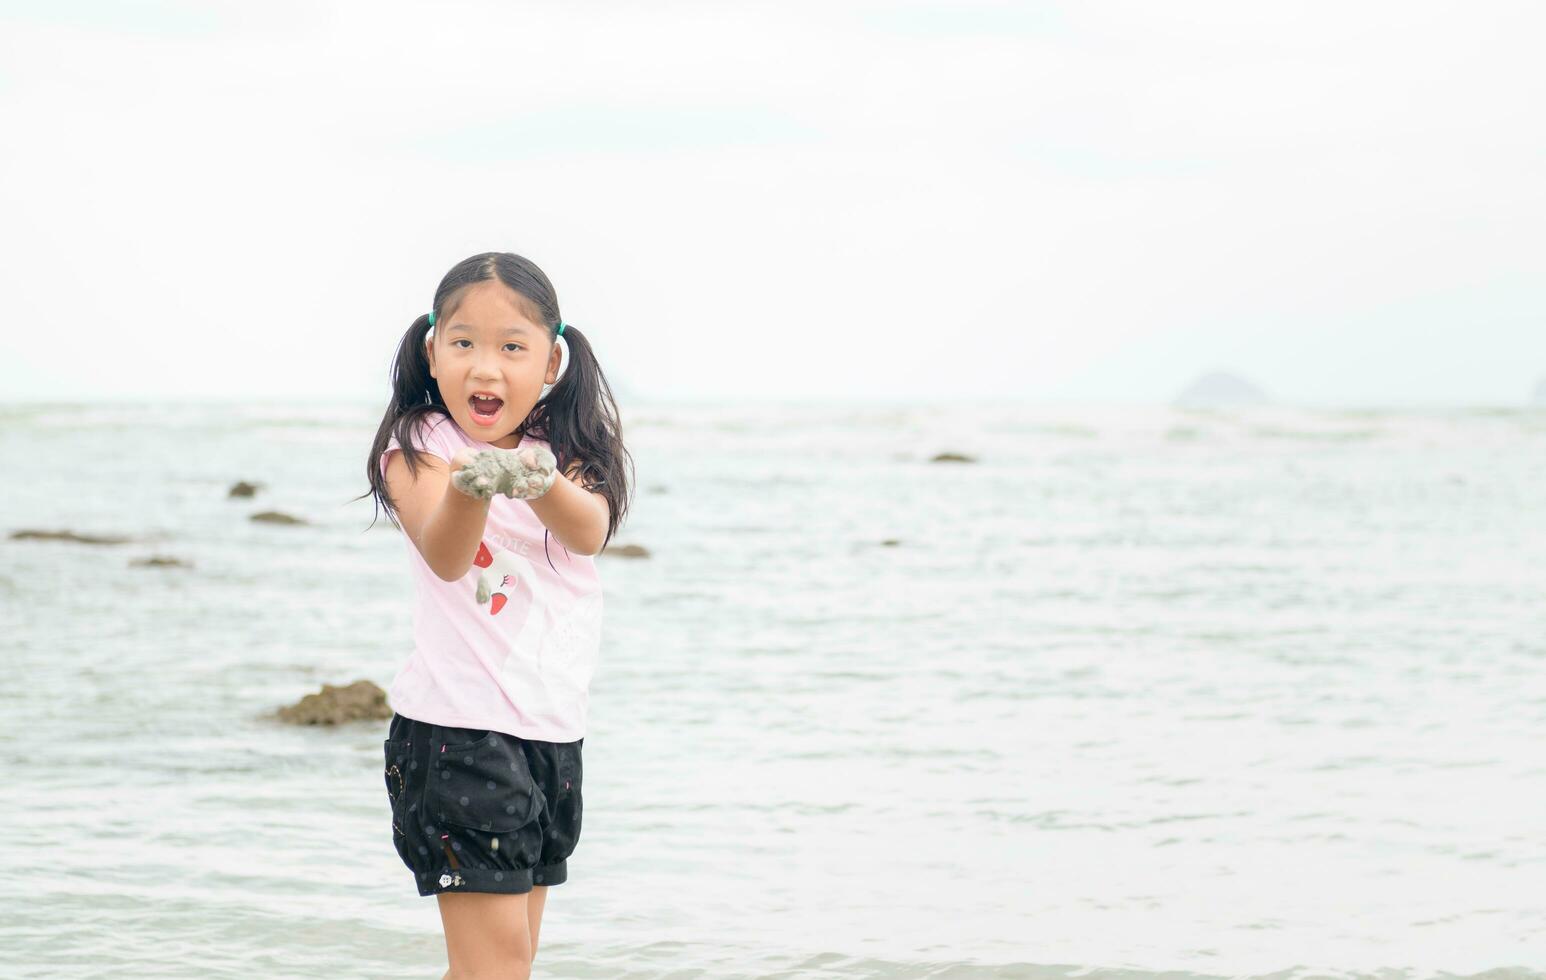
[{"x": 487, "y": 346}]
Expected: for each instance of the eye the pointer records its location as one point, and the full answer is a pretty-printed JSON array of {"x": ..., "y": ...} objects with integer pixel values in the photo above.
[
  {"x": 462, "y": 341},
  {"x": 512, "y": 345}
]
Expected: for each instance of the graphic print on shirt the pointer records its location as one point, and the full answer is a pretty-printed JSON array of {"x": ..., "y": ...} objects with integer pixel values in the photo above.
[
  {"x": 552, "y": 642},
  {"x": 502, "y": 572}
]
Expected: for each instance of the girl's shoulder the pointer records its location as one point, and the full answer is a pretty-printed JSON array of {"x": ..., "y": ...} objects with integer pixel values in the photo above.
[
  {"x": 435, "y": 432},
  {"x": 442, "y": 425}
]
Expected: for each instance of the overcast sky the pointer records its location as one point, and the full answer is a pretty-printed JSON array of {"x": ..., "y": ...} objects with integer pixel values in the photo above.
[{"x": 1343, "y": 202}]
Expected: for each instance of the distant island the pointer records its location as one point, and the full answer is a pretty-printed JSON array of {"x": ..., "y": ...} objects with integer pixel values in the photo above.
[{"x": 1218, "y": 389}]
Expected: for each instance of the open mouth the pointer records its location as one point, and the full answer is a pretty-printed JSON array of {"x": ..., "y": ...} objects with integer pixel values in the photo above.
[{"x": 485, "y": 409}]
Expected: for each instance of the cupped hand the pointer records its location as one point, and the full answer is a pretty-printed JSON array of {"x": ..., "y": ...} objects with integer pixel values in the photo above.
[{"x": 525, "y": 473}]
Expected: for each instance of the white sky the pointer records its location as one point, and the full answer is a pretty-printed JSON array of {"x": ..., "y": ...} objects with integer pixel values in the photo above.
[{"x": 841, "y": 200}]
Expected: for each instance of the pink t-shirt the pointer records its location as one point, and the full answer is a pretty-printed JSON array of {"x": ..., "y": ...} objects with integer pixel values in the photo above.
[{"x": 511, "y": 645}]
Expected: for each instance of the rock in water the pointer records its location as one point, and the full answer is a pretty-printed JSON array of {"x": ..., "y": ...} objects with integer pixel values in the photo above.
[
  {"x": 159, "y": 561},
  {"x": 1221, "y": 389},
  {"x": 276, "y": 517},
  {"x": 627, "y": 551},
  {"x": 28, "y": 533},
  {"x": 360, "y": 701},
  {"x": 524, "y": 473}
]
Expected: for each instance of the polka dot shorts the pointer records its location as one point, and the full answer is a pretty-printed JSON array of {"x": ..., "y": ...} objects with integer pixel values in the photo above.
[{"x": 475, "y": 810}]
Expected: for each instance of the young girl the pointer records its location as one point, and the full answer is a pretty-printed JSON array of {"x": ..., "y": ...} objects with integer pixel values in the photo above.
[{"x": 482, "y": 755}]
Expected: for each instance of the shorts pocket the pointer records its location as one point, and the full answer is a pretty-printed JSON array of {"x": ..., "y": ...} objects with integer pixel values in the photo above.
[
  {"x": 466, "y": 738},
  {"x": 396, "y": 754},
  {"x": 484, "y": 784}
]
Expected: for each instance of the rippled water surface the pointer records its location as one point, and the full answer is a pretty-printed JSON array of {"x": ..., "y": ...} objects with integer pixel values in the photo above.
[{"x": 1137, "y": 692}]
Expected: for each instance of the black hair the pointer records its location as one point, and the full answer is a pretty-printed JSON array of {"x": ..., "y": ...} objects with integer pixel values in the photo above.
[{"x": 578, "y": 418}]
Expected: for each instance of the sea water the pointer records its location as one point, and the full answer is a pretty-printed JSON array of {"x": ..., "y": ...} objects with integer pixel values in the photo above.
[{"x": 1136, "y": 692}]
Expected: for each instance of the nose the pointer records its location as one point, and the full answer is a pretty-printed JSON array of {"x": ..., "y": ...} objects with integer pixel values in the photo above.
[{"x": 483, "y": 370}]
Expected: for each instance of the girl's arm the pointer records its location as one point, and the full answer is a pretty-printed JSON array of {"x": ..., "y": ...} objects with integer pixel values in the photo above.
[
  {"x": 576, "y": 516},
  {"x": 445, "y": 524}
]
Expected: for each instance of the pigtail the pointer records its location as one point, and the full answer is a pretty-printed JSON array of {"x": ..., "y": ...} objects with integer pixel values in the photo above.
[
  {"x": 415, "y": 395},
  {"x": 579, "y": 419}
]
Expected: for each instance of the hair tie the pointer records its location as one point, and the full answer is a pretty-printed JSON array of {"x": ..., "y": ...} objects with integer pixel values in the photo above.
[
  {"x": 432, "y": 318},
  {"x": 560, "y": 329}
]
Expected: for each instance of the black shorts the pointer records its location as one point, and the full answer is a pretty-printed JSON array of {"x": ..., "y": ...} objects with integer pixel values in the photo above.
[{"x": 475, "y": 810}]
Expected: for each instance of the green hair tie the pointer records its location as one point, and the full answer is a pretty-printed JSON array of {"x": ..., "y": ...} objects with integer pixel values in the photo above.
[{"x": 432, "y": 318}]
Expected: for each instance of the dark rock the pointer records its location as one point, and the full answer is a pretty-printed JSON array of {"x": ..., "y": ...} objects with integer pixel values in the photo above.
[
  {"x": 25, "y": 535},
  {"x": 334, "y": 705},
  {"x": 890, "y": 543},
  {"x": 953, "y": 458},
  {"x": 275, "y": 517},
  {"x": 626, "y": 551},
  {"x": 159, "y": 561},
  {"x": 242, "y": 488}
]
